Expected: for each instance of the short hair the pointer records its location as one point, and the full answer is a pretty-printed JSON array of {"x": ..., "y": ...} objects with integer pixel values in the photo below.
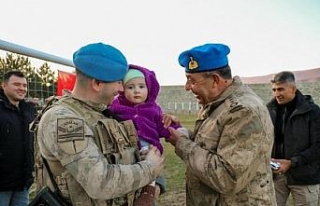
[
  {"x": 7, "y": 75},
  {"x": 224, "y": 72},
  {"x": 82, "y": 79},
  {"x": 283, "y": 77}
]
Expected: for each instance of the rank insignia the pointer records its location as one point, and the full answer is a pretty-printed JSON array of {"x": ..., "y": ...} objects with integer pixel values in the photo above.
[
  {"x": 193, "y": 64},
  {"x": 70, "y": 129}
]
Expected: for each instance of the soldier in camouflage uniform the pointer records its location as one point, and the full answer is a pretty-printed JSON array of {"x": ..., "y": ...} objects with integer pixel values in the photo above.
[
  {"x": 228, "y": 154},
  {"x": 73, "y": 135}
]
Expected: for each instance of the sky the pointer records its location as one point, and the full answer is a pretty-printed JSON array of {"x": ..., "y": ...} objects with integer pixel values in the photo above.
[{"x": 265, "y": 36}]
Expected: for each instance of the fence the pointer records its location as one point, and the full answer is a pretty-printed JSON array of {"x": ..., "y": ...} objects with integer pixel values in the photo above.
[
  {"x": 180, "y": 107},
  {"x": 39, "y": 86},
  {"x": 15, "y": 48},
  {"x": 177, "y": 107}
]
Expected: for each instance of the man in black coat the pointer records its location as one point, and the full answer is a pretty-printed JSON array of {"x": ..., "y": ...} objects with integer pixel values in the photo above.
[
  {"x": 296, "y": 148},
  {"x": 16, "y": 142}
]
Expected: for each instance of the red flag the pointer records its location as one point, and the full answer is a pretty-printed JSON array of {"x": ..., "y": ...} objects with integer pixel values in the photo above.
[{"x": 65, "y": 81}]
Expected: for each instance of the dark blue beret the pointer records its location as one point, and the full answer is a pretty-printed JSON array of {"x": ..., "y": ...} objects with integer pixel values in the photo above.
[
  {"x": 102, "y": 62},
  {"x": 207, "y": 57}
]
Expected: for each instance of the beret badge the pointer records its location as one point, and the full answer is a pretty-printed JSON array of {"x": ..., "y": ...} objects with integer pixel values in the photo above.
[{"x": 193, "y": 64}]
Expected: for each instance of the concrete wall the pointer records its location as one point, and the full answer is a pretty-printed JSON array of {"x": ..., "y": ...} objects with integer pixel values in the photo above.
[{"x": 175, "y": 99}]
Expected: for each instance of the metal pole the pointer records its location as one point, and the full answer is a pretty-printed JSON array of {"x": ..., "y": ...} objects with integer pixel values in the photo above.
[{"x": 15, "y": 48}]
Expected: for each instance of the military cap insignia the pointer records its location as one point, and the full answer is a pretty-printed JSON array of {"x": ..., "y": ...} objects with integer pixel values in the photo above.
[
  {"x": 193, "y": 64},
  {"x": 70, "y": 129}
]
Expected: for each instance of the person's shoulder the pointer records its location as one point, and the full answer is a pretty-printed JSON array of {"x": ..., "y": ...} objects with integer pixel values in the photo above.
[
  {"x": 245, "y": 103},
  {"x": 57, "y": 112},
  {"x": 315, "y": 109},
  {"x": 4, "y": 102},
  {"x": 242, "y": 99},
  {"x": 233, "y": 103},
  {"x": 308, "y": 100}
]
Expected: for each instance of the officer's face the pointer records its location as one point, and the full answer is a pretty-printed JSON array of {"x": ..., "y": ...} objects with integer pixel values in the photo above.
[
  {"x": 201, "y": 86},
  {"x": 15, "y": 88},
  {"x": 284, "y": 92}
]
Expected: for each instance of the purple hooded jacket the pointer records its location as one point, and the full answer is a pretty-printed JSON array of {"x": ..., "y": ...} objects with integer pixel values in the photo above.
[{"x": 146, "y": 117}]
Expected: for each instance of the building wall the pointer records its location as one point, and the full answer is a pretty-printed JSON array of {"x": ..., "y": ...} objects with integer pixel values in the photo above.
[{"x": 174, "y": 99}]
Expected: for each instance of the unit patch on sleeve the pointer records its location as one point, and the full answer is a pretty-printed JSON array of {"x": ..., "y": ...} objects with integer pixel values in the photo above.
[{"x": 70, "y": 129}]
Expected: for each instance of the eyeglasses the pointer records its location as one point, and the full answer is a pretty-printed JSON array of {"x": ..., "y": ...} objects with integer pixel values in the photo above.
[{"x": 195, "y": 82}]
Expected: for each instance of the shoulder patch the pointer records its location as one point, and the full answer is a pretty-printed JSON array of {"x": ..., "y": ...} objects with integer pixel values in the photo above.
[{"x": 70, "y": 129}]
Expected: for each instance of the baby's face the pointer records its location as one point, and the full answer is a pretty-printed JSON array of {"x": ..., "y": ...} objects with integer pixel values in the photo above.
[{"x": 136, "y": 90}]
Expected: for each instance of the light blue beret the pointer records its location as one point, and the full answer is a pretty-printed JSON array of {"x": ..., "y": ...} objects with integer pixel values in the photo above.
[
  {"x": 207, "y": 57},
  {"x": 102, "y": 62}
]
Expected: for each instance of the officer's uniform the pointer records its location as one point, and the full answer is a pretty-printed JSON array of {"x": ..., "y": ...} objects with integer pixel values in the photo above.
[{"x": 228, "y": 155}]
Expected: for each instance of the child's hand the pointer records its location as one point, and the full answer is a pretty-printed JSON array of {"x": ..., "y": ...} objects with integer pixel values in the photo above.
[{"x": 167, "y": 120}]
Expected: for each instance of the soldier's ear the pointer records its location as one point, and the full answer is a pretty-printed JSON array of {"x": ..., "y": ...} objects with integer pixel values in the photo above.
[
  {"x": 95, "y": 84},
  {"x": 215, "y": 78}
]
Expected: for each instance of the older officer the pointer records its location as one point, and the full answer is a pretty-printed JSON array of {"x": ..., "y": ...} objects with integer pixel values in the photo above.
[
  {"x": 228, "y": 154},
  {"x": 93, "y": 162}
]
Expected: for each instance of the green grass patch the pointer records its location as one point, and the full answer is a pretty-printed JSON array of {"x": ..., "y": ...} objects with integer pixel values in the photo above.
[
  {"x": 187, "y": 120},
  {"x": 174, "y": 167},
  {"x": 174, "y": 170}
]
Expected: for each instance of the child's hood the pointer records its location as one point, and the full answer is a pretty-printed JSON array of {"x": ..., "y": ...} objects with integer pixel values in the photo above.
[{"x": 151, "y": 82}]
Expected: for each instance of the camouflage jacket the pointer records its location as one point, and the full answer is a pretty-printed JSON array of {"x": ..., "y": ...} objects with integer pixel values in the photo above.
[
  {"x": 228, "y": 155},
  {"x": 83, "y": 172}
]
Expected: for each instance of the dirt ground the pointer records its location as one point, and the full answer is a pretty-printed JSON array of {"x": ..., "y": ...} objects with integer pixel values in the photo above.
[
  {"x": 173, "y": 198},
  {"x": 178, "y": 198}
]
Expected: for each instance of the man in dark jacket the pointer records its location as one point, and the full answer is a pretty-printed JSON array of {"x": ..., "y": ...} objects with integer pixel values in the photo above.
[
  {"x": 296, "y": 147},
  {"x": 16, "y": 142}
]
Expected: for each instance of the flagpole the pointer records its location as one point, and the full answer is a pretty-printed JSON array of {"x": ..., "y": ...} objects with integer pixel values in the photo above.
[{"x": 15, "y": 48}]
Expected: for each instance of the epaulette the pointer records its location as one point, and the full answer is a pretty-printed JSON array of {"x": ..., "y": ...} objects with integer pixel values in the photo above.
[{"x": 233, "y": 104}]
